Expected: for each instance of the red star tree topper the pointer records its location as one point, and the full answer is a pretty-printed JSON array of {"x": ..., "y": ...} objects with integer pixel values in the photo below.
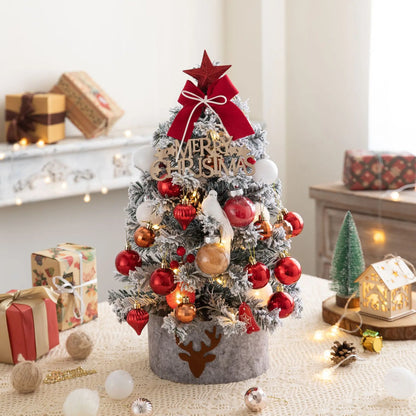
[{"x": 207, "y": 73}]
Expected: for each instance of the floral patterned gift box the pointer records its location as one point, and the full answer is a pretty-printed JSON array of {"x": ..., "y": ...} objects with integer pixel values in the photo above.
[{"x": 69, "y": 269}]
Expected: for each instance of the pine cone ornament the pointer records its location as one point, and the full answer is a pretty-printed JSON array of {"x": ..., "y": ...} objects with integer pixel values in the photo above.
[{"x": 341, "y": 351}]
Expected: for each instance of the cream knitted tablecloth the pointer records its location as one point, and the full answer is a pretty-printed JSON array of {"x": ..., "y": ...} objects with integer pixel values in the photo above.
[{"x": 291, "y": 383}]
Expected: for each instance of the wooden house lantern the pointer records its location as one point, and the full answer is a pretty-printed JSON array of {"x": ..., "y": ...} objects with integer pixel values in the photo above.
[{"x": 385, "y": 289}]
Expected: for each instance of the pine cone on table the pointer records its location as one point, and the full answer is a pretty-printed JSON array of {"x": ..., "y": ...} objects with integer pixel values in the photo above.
[{"x": 341, "y": 351}]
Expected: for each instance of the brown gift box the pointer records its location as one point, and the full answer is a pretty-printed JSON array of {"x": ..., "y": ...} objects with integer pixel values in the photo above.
[
  {"x": 88, "y": 106},
  {"x": 35, "y": 117},
  {"x": 75, "y": 266}
]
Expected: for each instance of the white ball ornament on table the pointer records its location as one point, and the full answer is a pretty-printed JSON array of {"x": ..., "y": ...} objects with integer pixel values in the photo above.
[
  {"x": 82, "y": 402},
  {"x": 400, "y": 383},
  {"x": 255, "y": 399},
  {"x": 119, "y": 384},
  {"x": 144, "y": 158},
  {"x": 262, "y": 294},
  {"x": 266, "y": 171}
]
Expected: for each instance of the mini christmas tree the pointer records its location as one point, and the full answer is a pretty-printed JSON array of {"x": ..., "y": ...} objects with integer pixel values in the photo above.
[
  {"x": 348, "y": 260},
  {"x": 200, "y": 239}
]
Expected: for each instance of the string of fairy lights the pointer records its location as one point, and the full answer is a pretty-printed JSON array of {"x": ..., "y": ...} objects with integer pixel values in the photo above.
[{"x": 24, "y": 143}]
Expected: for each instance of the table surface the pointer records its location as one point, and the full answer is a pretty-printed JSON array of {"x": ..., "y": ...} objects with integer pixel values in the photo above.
[{"x": 292, "y": 383}]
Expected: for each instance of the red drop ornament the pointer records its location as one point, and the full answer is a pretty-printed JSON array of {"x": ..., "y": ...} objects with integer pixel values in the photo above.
[
  {"x": 296, "y": 221},
  {"x": 239, "y": 209},
  {"x": 184, "y": 214},
  {"x": 162, "y": 281},
  {"x": 287, "y": 270},
  {"x": 137, "y": 319},
  {"x": 258, "y": 274},
  {"x": 127, "y": 260},
  {"x": 167, "y": 189},
  {"x": 283, "y": 301},
  {"x": 245, "y": 315}
]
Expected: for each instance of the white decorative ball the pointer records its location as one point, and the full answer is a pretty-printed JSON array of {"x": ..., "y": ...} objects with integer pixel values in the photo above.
[
  {"x": 266, "y": 171},
  {"x": 400, "y": 383},
  {"x": 82, "y": 402},
  {"x": 119, "y": 384},
  {"x": 143, "y": 158},
  {"x": 144, "y": 213},
  {"x": 262, "y": 294}
]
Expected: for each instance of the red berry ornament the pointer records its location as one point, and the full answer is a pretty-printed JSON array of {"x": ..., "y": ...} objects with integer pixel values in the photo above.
[
  {"x": 180, "y": 251},
  {"x": 296, "y": 221},
  {"x": 174, "y": 264},
  {"x": 184, "y": 214},
  {"x": 137, "y": 319},
  {"x": 162, "y": 281},
  {"x": 239, "y": 209},
  {"x": 283, "y": 301},
  {"x": 251, "y": 160},
  {"x": 127, "y": 260},
  {"x": 167, "y": 189},
  {"x": 190, "y": 258},
  {"x": 287, "y": 270},
  {"x": 258, "y": 274}
]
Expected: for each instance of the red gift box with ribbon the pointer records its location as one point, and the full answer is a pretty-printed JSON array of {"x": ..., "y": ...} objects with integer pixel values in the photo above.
[{"x": 28, "y": 324}]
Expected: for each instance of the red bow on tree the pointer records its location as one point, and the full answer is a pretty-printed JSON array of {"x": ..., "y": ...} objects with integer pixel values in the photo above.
[{"x": 218, "y": 99}]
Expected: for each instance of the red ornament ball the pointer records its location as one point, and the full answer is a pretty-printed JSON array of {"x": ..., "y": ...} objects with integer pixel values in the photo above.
[
  {"x": 296, "y": 221},
  {"x": 287, "y": 270},
  {"x": 258, "y": 274},
  {"x": 167, "y": 189},
  {"x": 180, "y": 251},
  {"x": 127, "y": 260},
  {"x": 240, "y": 211},
  {"x": 283, "y": 301},
  {"x": 190, "y": 258},
  {"x": 137, "y": 319},
  {"x": 162, "y": 281},
  {"x": 174, "y": 264},
  {"x": 251, "y": 160}
]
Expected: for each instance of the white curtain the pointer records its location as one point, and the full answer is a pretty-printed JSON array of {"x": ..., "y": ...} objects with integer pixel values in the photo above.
[{"x": 392, "y": 98}]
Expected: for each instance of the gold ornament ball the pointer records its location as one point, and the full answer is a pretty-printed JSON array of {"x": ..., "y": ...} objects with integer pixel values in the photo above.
[
  {"x": 212, "y": 259},
  {"x": 144, "y": 237},
  {"x": 185, "y": 312},
  {"x": 79, "y": 345},
  {"x": 26, "y": 377},
  {"x": 255, "y": 399}
]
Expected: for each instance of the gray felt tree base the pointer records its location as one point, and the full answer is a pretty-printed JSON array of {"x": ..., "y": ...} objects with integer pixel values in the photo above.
[{"x": 236, "y": 357}]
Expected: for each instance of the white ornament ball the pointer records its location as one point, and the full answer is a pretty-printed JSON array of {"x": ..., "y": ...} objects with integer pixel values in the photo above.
[
  {"x": 144, "y": 158},
  {"x": 262, "y": 294},
  {"x": 266, "y": 171},
  {"x": 255, "y": 399},
  {"x": 119, "y": 384},
  {"x": 144, "y": 213},
  {"x": 82, "y": 402},
  {"x": 400, "y": 383}
]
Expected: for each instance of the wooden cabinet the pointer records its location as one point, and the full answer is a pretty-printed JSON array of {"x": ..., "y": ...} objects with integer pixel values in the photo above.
[{"x": 384, "y": 225}]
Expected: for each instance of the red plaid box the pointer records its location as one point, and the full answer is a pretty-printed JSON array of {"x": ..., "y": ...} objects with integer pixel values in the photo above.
[{"x": 364, "y": 169}]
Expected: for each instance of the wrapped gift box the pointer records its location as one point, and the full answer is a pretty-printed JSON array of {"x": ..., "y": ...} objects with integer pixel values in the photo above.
[
  {"x": 88, "y": 106},
  {"x": 364, "y": 169},
  {"x": 28, "y": 324},
  {"x": 70, "y": 269},
  {"x": 35, "y": 117}
]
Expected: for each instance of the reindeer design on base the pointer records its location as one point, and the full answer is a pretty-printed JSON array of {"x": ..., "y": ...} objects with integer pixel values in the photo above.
[{"x": 198, "y": 359}]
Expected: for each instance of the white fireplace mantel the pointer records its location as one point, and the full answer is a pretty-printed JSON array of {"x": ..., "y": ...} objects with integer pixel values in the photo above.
[{"x": 74, "y": 166}]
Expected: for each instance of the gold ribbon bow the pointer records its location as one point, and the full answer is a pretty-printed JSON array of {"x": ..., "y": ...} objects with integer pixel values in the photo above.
[{"x": 34, "y": 298}]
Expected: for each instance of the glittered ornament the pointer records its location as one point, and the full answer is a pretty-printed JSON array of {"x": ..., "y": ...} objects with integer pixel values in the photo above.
[
  {"x": 142, "y": 406},
  {"x": 184, "y": 214},
  {"x": 186, "y": 311},
  {"x": 127, "y": 260},
  {"x": 176, "y": 297},
  {"x": 119, "y": 384},
  {"x": 296, "y": 221},
  {"x": 26, "y": 377},
  {"x": 162, "y": 281},
  {"x": 239, "y": 209},
  {"x": 167, "y": 189},
  {"x": 283, "y": 301},
  {"x": 212, "y": 258},
  {"x": 258, "y": 273},
  {"x": 144, "y": 237},
  {"x": 246, "y": 315},
  {"x": 287, "y": 270},
  {"x": 137, "y": 318},
  {"x": 264, "y": 228},
  {"x": 255, "y": 399},
  {"x": 79, "y": 345}
]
